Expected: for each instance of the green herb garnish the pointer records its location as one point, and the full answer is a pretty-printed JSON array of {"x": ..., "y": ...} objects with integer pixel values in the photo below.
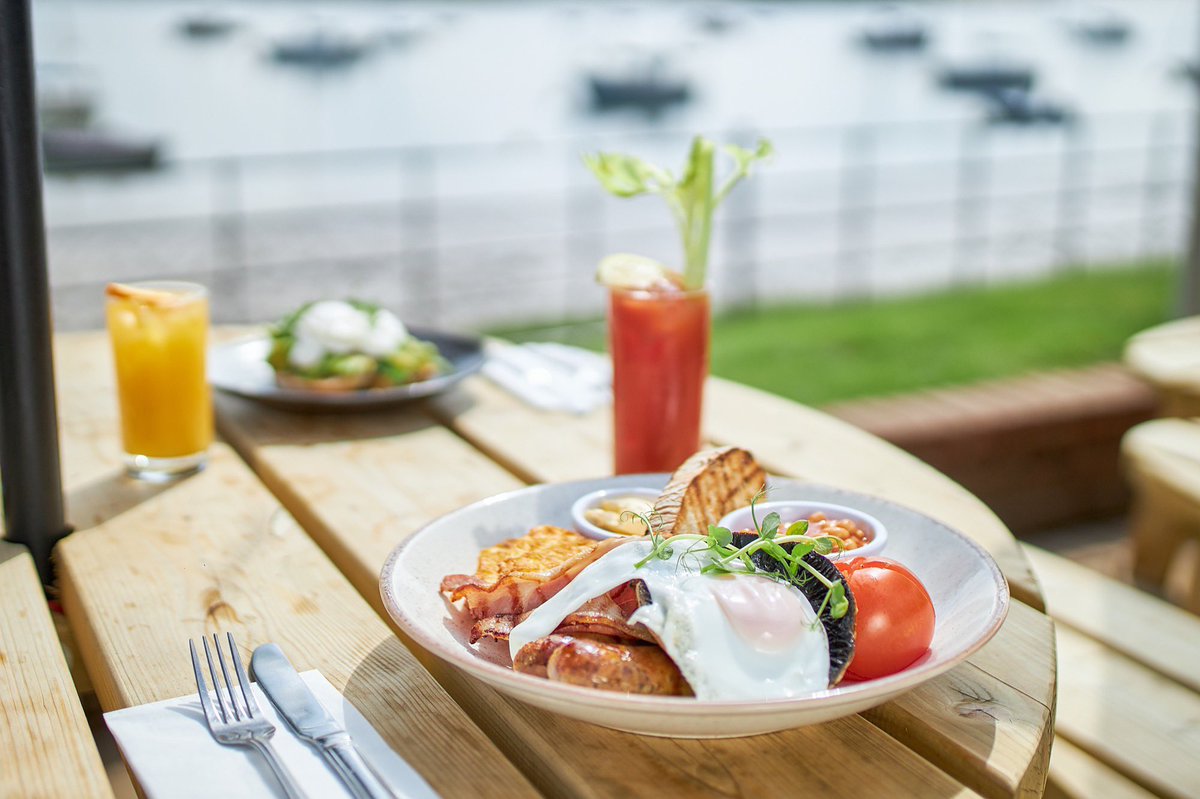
[
  {"x": 725, "y": 558},
  {"x": 692, "y": 198}
]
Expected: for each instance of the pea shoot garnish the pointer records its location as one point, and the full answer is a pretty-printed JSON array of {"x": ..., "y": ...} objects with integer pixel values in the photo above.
[{"x": 719, "y": 555}]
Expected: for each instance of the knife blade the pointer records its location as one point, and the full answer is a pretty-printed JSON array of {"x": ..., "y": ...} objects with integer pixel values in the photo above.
[{"x": 294, "y": 700}]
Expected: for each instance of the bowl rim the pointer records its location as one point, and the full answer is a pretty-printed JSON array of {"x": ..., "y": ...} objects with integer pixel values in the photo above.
[
  {"x": 519, "y": 684},
  {"x": 589, "y": 499},
  {"x": 875, "y": 543}
]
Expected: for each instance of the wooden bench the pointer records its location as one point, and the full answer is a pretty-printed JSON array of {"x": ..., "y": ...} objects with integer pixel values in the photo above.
[
  {"x": 1162, "y": 461},
  {"x": 1042, "y": 450},
  {"x": 1128, "y": 716},
  {"x": 46, "y": 748}
]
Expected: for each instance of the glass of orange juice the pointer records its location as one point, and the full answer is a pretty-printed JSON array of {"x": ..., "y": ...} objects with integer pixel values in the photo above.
[{"x": 159, "y": 334}]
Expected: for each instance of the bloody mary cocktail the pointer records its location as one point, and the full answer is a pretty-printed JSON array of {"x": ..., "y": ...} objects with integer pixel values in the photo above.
[{"x": 659, "y": 342}]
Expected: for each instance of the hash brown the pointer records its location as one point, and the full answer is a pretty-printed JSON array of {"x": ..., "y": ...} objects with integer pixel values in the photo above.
[{"x": 540, "y": 550}]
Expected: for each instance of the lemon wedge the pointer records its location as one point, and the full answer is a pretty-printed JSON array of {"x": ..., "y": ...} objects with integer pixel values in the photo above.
[{"x": 628, "y": 271}]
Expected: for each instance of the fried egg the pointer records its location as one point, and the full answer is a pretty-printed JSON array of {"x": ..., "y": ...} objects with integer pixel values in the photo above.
[{"x": 733, "y": 636}]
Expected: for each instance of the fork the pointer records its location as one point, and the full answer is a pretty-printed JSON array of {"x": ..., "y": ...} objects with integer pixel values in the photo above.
[{"x": 235, "y": 724}]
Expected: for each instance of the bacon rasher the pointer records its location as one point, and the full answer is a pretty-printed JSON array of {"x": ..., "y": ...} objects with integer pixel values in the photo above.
[
  {"x": 515, "y": 593},
  {"x": 602, "y": 615}
]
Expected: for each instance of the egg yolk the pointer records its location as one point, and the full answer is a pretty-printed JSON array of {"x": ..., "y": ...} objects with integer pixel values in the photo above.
[{"x": 769, "y": 616}]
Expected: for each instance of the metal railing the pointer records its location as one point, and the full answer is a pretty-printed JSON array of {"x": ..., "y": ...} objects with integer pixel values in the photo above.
[{"x": 481, "y": 234}]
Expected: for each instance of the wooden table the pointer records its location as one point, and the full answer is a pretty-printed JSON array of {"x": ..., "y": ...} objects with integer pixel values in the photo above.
[
  {"x": 285, "y": 542},
  {"x": 1168, "y": 357}
]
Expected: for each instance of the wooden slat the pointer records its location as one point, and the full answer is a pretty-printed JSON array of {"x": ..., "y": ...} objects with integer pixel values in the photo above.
[
  {"x": 569, "y": 758},
  {"x": 215, "y": 553},
  {"x": 1146, "y": 629},
  {"x": 993, "y": 736},
  {"x": 1134, "y": 720},
  {"x": 1130, "y": 687},
  {"x": 48, "y": 751},
  {"x": 538, "y": 447},
  {"x": 981, "y": 722},
  {"x": 359, "y": 484},
  {"x": 1036, "y": 400},
  {"x": 1074, "y": 774},
  {"x": 794, "y": 440}
]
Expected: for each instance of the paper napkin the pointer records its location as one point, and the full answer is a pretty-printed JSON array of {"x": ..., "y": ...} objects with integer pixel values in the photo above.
[
  {"x": 551, "y": 376},
  {"x": 172, "y": 755}
]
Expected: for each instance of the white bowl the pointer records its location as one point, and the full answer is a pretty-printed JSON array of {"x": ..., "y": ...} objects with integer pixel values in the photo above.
[
  {"x": 792, "y": 510},
  {"x": 593, "y": 498},
  {"x": 970, "y": 599}
]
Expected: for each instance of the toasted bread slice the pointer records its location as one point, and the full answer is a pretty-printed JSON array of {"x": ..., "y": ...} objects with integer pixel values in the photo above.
[{"x": 708, "y": 485}]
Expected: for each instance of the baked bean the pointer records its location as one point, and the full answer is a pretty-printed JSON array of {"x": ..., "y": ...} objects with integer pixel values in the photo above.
[{"x": 845, "y": 530}]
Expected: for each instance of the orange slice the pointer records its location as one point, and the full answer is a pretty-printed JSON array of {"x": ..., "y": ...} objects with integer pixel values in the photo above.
[{"x": 154, "y": 297}]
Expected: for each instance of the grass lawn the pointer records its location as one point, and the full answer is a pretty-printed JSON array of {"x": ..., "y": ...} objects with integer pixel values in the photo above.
[{"x": 823, "y": 353}]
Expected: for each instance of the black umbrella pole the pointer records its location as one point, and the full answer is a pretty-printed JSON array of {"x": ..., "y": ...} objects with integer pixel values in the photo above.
[{"x": 29, "y": 464}]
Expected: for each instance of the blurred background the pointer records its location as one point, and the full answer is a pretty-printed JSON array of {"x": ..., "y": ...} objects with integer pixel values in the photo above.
[
  {"x": 427, "y": 154},
  {"x": 963, "y": 190}
]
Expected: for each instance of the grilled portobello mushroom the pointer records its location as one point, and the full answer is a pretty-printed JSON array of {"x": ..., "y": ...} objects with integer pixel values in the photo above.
[{"x": 839, "y": 632}]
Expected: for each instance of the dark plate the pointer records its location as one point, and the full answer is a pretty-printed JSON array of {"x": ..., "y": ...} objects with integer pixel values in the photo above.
[{"x": 240, "y": 367}]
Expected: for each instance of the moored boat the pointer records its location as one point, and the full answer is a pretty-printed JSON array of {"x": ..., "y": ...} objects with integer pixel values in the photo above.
[
  {"x": 94, "y": 150},
  {"x": 319, "y": 48},
  {"x": 991, "y": 74}
]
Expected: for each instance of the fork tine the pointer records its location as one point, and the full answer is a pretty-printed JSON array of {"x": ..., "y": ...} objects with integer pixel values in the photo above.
[
  {"x": 226, "y": 712},
  {"x": 210, "y": 713},
  {"x": 243, "y": 680},
  {"x": 237, "y": 710}
]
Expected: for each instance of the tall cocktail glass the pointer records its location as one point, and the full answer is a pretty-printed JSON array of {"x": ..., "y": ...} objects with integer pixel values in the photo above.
[
  {"x": 659, "y": 341},
  {"x": 159, "y": 334}
]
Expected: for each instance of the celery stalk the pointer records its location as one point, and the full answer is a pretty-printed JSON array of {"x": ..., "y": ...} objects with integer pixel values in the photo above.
[{"x": 692, "y": 199}]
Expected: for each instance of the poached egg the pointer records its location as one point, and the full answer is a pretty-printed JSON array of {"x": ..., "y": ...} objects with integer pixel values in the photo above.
[{"x": 333, "y": 327}]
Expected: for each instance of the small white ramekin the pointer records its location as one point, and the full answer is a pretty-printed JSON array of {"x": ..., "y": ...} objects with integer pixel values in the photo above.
[
  {"x": 594, "y": 498},
  {"x": 793, "y": 510}
]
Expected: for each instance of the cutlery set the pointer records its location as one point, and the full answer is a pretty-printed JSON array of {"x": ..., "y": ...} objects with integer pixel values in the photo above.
[{"x": 236, "y": 719}]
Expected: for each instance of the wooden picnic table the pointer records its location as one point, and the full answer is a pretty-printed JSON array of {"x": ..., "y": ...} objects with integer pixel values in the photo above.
[
  {"x": 1168, "y": 357},
  {"x": 282, "y": 537}
]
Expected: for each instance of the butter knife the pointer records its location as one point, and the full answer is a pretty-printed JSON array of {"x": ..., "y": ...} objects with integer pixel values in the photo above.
[{"x": 296, "y": 703}]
